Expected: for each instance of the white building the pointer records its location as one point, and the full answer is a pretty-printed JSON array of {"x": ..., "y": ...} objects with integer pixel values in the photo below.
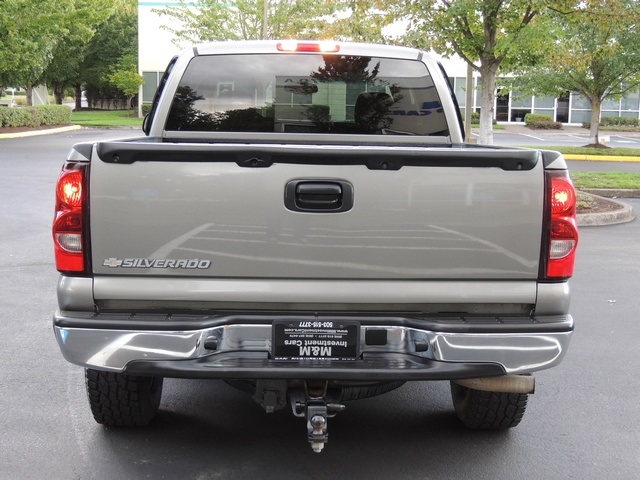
[
  {"x": 155, "y": 46},
  {"x": 155, "y": 50}
]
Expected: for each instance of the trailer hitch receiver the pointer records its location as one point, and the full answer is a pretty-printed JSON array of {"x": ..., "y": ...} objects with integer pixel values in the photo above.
[{"x": 317, "y": 407}]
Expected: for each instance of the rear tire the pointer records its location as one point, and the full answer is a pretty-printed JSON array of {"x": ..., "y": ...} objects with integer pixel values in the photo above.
[
  {"x": 120, "y": 400},
  {"x": 488, "y": 410}
]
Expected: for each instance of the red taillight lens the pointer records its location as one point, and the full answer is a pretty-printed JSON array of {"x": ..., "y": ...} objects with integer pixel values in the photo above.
[
  {"x": 319, "y": 47},
  {"x": 563, "y": 231},
  {"x": 563, "y": 196},
  {"x": 69, "y": 188},
  {"x": 68, "y": 238}
]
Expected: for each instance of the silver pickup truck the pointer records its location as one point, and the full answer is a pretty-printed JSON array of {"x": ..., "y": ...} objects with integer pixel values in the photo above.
[{"x": 304, "y": 221}]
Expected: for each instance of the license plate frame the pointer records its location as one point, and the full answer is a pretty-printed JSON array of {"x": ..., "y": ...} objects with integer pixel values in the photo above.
[{"x": 324, "y": 340}]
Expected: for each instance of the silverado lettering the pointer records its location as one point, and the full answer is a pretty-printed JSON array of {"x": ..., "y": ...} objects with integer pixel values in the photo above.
[{"x": 159, "y": 263}]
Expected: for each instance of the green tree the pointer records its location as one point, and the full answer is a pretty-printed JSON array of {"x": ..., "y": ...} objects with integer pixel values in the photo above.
[
  {"x": 487, "y": 34},
  {"x": 125, "y": 76},
  {"x": 70, "y": 51},
  {"x": 596, "y": 53},
  {"x": 361, "y": 20},
  {"x": 29, "y": 33},
  {"x": 244, "y": 20},
  {"x": 211, "y": 20},
  {"x": 112, "y": 47}
]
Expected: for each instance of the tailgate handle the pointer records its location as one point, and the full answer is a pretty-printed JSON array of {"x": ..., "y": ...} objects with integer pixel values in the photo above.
[
  {"x": 319, "y": 196},
  {"x": 325, "y": 196}
]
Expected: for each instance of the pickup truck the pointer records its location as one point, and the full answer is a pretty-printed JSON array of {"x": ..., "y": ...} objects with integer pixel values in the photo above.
[{"x": 304, "y": 221}]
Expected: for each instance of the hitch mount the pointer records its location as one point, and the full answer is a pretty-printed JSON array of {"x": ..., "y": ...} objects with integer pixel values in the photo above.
[{"x": 316, "y": 406}]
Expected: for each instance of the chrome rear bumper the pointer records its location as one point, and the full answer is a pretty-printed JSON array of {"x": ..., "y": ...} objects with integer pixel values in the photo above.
[{"x": 239, "y": 346}]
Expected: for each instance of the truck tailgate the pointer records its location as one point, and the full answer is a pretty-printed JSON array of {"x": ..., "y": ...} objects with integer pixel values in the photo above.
[{"x": 222, "y": 212}]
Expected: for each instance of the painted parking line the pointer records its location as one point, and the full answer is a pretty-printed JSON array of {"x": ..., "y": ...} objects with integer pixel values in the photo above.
[
  {"x": 577, "y": 137},
  {"x": 624, "y": 139},
  {"x": 532, "y": 136}
]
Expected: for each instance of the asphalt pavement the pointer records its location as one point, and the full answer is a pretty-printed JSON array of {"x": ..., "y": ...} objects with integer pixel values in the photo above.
[
  {"x": 570, "y": 136},
  {"x": 582, "y": 422}
]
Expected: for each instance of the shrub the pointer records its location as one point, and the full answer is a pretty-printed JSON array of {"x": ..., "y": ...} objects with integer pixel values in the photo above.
[
  {"x": 146, "y": 108},
  {"x": 619, "y": 121},
  {"x": 616, "y": 122},
  {"x": 529, "y": 118},
  {"x": 545, "y": 125},
  {"x": 35, "y": 116},
  {"x": 13, "y": 117},
  {"x": 541, "y": 121},
  {"x": 55, "y": 114},
  {"x": 475, "y": 119}
]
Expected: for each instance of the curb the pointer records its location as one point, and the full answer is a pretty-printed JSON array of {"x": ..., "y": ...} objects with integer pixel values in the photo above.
[
  {"x": 623, "y": 215},
  {"x": 601, "y": 158},
  {"x": 33, "y": 133},
  {"x": 614, "y": 193}
]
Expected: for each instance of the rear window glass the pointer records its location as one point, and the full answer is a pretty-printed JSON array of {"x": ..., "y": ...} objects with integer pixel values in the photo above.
[{"x": 302, "y": 93}]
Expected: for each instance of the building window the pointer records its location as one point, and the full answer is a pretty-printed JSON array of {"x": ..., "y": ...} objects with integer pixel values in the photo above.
[
  {"x": 630, "y": 105},
  {"x": 544, "y": 106},
  {"x": 461, "y": 91},
  {"x": 151, "y": 81}
]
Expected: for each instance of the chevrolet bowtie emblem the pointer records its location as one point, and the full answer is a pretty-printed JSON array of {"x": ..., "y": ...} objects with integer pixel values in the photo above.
[{"x": 112, "y": 262}]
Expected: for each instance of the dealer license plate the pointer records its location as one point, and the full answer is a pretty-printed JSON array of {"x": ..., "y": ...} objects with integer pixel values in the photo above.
[{"x": 315, "y": 339}]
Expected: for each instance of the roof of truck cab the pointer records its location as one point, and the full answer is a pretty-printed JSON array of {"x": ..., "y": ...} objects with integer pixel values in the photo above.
[{"x": 271, "y": 46}]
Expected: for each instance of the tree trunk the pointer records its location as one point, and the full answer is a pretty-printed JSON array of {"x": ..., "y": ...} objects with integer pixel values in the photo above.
[
  {"x": 596, "y": 105},
  {"x": 488, "y": 82},
  {"x": 58, "y": 92},
  {"x": 29, "y": 91},
  {"x": 78, "y": 96},
  {"x": 92, "y": 98}
]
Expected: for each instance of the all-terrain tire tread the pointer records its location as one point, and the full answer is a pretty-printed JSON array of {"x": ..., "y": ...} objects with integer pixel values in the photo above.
[
  {"x": 122, "y": 400},
  {"x": 488, "y": 410}
]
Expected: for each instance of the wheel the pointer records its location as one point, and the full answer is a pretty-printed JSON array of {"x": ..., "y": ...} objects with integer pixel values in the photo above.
[
  {"x": 488, "y": 410},
  {"x": 121, "y": 400}
]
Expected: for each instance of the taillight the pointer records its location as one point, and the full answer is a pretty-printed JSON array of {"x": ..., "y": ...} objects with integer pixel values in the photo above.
[
  {"x": 562, "y": 232},
  {"x": 68, "y": 223},
  {"x": 319, "y": 47}
]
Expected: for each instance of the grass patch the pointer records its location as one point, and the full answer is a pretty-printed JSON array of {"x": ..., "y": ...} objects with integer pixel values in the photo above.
[
  {"x": 619, "y": 128},
  {"x": 617, "y": 180},
  {"x": 495, "y": 127},
  {"x": 106, "y": 118},
  {"x": 622, "y": 152}
]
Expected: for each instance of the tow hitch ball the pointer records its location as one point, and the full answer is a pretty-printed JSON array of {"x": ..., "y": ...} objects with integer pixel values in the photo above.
[{"x": 317, "y": 410}]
